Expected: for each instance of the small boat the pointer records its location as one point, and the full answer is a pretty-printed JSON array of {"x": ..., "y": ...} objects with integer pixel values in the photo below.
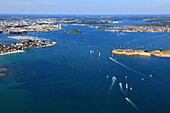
[
  {"x": 126, "y": 85},
  {"x": 113, "y": 77},
  {"x": 99, "y": 54},
  {"x": 107, "y": 76}
]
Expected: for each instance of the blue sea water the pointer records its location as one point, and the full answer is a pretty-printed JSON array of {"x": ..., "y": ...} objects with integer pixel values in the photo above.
[{"x": 67, "y": 78}]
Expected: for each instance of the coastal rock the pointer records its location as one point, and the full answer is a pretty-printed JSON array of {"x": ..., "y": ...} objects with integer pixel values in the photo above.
[
  {"x": 75, "y": 32},
  {"x": 3, "y": 69},
  {"x": 2, "y": 74}
]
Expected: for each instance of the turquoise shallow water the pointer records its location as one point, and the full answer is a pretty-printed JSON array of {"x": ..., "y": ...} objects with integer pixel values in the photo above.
[{"x": 66, "y": 78}]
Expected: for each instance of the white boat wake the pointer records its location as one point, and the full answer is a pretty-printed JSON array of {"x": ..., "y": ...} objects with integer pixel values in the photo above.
[
  {"x": 125, "y": 66},
  {"x": 137, "y": 72},
  {"x": 133, "y": 104},
  {"x": 121, "y": 88},
  {"x": 113, "y": 81}
]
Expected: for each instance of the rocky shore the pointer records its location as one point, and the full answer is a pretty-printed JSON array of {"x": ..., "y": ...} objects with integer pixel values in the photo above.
[{"x": 2, "y": 70}]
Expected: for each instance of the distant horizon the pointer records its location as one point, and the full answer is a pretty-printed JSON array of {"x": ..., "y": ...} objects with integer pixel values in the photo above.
[
  {"x": 85, "y": 7},
  {"x": 81, "y": 14}
]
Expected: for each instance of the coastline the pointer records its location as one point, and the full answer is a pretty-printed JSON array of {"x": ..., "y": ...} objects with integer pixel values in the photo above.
[{"x": 18, "y": 51}]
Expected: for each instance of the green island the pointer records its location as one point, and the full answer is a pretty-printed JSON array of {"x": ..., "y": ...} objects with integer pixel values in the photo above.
[{"x": 75, "y": 32}]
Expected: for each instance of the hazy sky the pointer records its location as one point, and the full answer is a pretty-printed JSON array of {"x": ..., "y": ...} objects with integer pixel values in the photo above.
[{"x": 85, "y": 6}]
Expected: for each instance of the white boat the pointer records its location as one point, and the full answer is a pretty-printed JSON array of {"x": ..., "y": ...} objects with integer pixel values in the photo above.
[
  {"x": 126, "y": 85},
  {"x": 113, "y": 77}
]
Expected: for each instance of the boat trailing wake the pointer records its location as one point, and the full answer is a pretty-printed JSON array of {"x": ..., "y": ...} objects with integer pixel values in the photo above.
[
  {"x": 113, "y": 81},
  {"x": 121, "y": 88},
  {"x": 133, "y": 104},
  {"x": 123, "y": 65},
  {"x": 126, "y": 66}
]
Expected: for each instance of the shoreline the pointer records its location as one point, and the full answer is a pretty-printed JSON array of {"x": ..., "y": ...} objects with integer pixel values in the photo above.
[{"x": 18, "y": 51}]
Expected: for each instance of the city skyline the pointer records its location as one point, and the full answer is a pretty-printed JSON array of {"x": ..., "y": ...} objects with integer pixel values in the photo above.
[{"x": 85, "y": 7}]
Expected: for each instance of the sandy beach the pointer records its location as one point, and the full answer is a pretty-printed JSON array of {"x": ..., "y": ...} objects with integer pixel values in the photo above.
[{"x": 18, "y": 51}]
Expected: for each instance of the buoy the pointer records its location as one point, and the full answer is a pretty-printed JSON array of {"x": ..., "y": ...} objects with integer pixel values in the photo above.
[
  {"x": 126, "y": 77},
  {"x": 150, "y": 75},
  {"x": 127, "y": 103},
  {"x": 142, "y": 78}
]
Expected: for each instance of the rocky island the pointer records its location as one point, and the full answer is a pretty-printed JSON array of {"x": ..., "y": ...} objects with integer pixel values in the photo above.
[
  {"x": 131, "y": 52},
  {"x": 2, "y": 70},
  {"x": 75, "y": 32}
]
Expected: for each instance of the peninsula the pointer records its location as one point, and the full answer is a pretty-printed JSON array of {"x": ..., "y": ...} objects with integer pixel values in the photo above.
[{"x": 23, "y": 45}]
